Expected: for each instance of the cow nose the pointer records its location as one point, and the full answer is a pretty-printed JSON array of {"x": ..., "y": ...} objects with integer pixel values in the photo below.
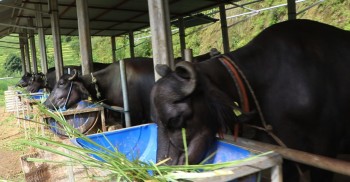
[{"x": 48, "y": 104}]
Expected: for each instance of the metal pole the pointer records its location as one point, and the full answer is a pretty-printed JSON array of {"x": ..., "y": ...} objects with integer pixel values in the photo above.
[
  {"x": 32, "y": 46},
  {"x": 132, "y": 44},
  {"x": 113, "y": 49},
  {"x": 21, "y": 46},
  {"x": 56, "y": 35},
  {"x": 26, "y": 51},
  {"x": 41, "y": 35},
  {"x": 292, "y": 15},
  {"x": 125, "y": 93},
  {"x": 161, "y": 33},
  {"x": 224, "y": 30},
  {"x": 84, "y": 36},
  {"x": 188, "y": 55},
  {"x": 182, "y": 37}
]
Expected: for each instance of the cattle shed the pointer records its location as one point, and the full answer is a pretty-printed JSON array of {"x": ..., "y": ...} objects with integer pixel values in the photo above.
[
  {"x": 110, "y": 18},
  {"x": 86, "y": 18}
]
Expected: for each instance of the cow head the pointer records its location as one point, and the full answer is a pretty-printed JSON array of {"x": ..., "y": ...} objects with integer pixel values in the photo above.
[
  {"x": 68, "y": 91},
  {"x": 185, "y": 98},
  {"x": 24, "y": 81},
  {"x": 36, "y": 82}
]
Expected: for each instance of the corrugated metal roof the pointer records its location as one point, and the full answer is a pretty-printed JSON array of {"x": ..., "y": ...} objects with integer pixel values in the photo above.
[{"x": 107, "y": 17}]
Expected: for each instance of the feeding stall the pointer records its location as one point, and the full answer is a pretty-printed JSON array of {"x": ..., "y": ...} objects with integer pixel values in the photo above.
[
  {"x": 24, "y": 107},
  {"x": 139, "y": 143},
  {"x": 84, "y": 117}
]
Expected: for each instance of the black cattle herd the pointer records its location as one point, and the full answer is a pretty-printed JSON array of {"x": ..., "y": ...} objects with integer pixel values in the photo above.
[{"x": 295, "y": 76}]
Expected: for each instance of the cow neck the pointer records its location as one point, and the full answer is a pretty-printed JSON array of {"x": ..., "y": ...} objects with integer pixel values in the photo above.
[
  {"x": 46, "y": 81},
  {"x": 90, "y": 83},
  {"x": 94, "y": 82},
  {"x": 242, "y": 92},
  {"x": 237, "y": 75}
]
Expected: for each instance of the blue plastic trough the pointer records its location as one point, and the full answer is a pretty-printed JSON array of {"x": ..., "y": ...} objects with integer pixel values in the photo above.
[
  {"x": 140, "y": 142},
  {"x": 39, "y": 95},
  {"x": 83, "y": 122}
]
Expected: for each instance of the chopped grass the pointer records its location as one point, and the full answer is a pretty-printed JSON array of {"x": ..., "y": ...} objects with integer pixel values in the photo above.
[{"x": 117, "y": 165}]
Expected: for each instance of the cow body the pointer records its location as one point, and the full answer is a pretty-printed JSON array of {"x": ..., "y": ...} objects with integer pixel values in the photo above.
[
  {"x": 299, "y": 72},
  {"x": 48, "y": 81},
  {"x": 140, "y": 79}
]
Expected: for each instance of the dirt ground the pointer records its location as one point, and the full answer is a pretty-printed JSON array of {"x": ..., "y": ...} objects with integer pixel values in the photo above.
[{"x": 10, "y": 167}]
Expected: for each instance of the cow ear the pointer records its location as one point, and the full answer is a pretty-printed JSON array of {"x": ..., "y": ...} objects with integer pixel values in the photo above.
[
  {"x": 186, "y": 71},
  {"x": 214, "y": 52},
  {"x": 162, "y": 69},
  {"x": 74, "y": 76}
]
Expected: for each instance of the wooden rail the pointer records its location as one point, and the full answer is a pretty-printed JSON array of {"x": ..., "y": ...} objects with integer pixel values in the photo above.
[
  {"x": 81, "y": 111},
  {"x": 326, "y": 163}
]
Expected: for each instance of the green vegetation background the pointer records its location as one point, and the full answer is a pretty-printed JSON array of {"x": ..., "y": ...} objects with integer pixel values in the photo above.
[{"x": 201, "y": 38}]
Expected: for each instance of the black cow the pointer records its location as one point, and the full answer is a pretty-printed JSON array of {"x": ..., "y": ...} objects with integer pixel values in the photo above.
[
  {"x": 23, "y": 82},
  {"x": 299, "y": 72},
  {"x": 40, "y": 81},
  {"x": 140, "y": 79}
]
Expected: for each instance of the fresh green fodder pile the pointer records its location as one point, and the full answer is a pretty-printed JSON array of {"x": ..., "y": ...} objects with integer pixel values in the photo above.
[{"x": 117, "y": 166}]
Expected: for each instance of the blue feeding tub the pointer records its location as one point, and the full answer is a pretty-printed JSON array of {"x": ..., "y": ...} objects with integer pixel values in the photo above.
[
  {"x": 140, "y": 142},
  {"x": 83, "y": 122},
  {"x": 39, "y": 95}
]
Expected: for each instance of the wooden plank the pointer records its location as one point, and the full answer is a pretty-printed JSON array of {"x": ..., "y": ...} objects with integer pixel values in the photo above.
[
  {"x": 76, "y": 111},
  {"x": 81, "y": 111},
  {"x": 12, "y": 101},
  {"x": 327, "y": 163}
]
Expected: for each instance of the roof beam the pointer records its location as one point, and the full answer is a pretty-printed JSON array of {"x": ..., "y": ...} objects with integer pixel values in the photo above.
[
  {"x": 100, "y": 20},
  {"x": 107, "y": 11},
  {"x": 93, "y": 29},
  {"x": 17, "y": 26},
  {"x": 72, "y": 5},
  {"x": 22, "y": 8}
]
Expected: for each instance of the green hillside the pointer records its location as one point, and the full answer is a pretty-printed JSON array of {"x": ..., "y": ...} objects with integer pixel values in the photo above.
[
  {"x": 200, "y": 38},
  {"x": 244, "y": 28}
]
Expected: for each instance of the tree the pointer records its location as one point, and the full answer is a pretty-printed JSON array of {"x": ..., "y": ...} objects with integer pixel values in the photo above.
[{"x": 13, "y": 63}]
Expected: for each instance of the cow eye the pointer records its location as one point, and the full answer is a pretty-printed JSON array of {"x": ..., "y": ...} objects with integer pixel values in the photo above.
[
  {"x": 61, "y": 82},
  {"x": 176, "y": 122},
  {"x": 179, "y": 100}
]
